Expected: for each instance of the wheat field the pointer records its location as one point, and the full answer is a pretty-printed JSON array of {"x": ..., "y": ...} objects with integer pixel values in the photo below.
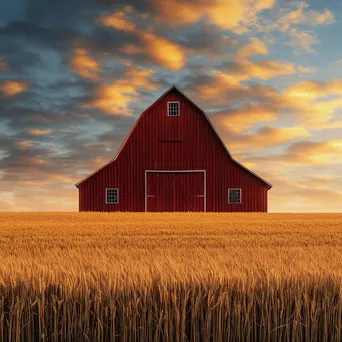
[{"x": 170, "y": 277}]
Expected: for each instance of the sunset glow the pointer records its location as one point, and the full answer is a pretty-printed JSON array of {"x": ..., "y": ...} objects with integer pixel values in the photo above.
[{"x": 74, "y": 78}]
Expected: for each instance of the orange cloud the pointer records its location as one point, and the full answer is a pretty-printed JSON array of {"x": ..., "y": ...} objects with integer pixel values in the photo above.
[
  {"x": 241, "y": 119},
  {"x": 306, "y": 70},
  {"x": 100, "y": 161},
  {"x": 264, "y": 70},
  {"x": 323, "y": 18},
  {"x": 12, "y": 88},
  {"x": 315, "y": 89},
  {"x": 63, "y": 199},
  {"x": 3, "y": 65},
  {"x": 84, "y": 65},
  {"x": 118, "y": 21},
  {"x": 216, "y": 90},
  {"x": 293, "y": 194},
  {"x": 316, "y": 152},
  {"x": 132, "y": 49},
  {"x": 39, "y": 131},
  {"x": 228, "y": 14},
  {"x": 34, "y": 161},
  {"x": 232, "y": 80},
  {"x": 317, "y": 181},
  {"x": 65, "y": 179},
  {"x": 305, "y": 153},
  {"x": 115, "y": 98},
  {"x": 255, "y": 47},
  {"x": 316, "y": 114},
  {"x": 163, "y": 51},
  {"x": 269, "y": 136},
  {"x": 314, "y": 102},
  {"x": 23, "y": 145}
]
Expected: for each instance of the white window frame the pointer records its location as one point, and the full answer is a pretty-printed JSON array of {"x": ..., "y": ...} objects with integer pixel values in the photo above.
[
  {"x": 117, "y": 190},
  {"x": 168, "y": 108},
  {"x": 240, "y": 195}
]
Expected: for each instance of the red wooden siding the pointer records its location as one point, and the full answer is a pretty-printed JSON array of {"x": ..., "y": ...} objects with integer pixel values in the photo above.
[
  {"x": 162, "y": 142},
  {"x": 175, "y": 191}
]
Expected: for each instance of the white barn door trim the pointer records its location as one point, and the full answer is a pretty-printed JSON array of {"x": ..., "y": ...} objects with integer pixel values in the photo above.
[{"x": 179, "y": 171}]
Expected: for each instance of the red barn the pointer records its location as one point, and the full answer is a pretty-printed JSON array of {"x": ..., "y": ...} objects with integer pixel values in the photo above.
[{"x": 173, "y": 160}]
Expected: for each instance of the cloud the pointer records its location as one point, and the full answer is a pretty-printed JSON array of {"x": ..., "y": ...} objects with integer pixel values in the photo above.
[
  {"x": 302, "y": 16},
  {"x": 315, "y": 89},
  {"x": 43, "y": 171},
  {"x": 3, "y": 65},
  {"x": 161, "y": 50},
  {"x": 173, "y": 55},
  {"x": 33, "y": 161},
  {"x": 115, "y": 98},
  {"x": 302, "y": 41},
  {"x": 178, "y": 43},
  {"x": 228, "y": 15},
  {"x": 306, "y": 70},
  {"x": 118, "y": 21},
  {"x": 17, "y": 58},
  {"x": 204, "y": 39},
  {"x": 255, "y": 47},
  {"x": 316, "y": 152},
  {"x": 39, "y": 199},
  {"x": 83, "y": 139},
  {"x": 84, "y": 65},
  {"x": 234, "y": 73},
  {"x": 319, "y": 181},
  {"x": 312, "y": 153},
  {"x": 13, "y": 87},
  {"x": 263, "y": 70},
  {"x": 327, "y": 17},
  {"x": 295, "y": 14},
  {"x": 290, "y": 20},
  {"x": 291, "y": 195},
  {"x": 131, "y": 49},
  {"x": 99, "y": 161},
  {"x": 304, "y": 191},
  {"x": 23, "y": 145},
  {"x": 238, "y": 120},
  {"x": 227, "y": 81},
  {"x": 39, "y": 131},
  {"x": 216, "y": 93},
  {"x": 268, "y": 137},
  {"x": 314, "y": 102}
]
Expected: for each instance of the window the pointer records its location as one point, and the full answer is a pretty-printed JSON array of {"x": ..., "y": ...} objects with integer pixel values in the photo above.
[
  {"x": 173, "y": 108},
  {"x": 234, "y": 195},
  {"x": 112, "y": 196}
]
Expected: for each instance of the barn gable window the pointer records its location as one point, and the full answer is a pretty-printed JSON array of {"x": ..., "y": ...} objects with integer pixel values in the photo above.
[
  {"x": 112, "y": 196},
  {"x": 173, "y": 108},
  {"x": 234, "y": 195}
]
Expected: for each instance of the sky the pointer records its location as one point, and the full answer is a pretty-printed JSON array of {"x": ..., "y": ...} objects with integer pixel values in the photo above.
[{"x": 76, "y": 74}]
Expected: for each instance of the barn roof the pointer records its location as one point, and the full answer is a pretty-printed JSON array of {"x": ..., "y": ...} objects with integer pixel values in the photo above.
[{"x": 209, "y": 122}]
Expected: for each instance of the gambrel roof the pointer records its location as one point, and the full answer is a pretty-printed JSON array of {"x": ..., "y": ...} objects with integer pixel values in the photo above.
[{"x": 209, "y": 122}]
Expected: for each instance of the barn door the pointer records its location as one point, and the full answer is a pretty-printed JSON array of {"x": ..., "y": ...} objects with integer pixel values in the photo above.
[{"x": 175, "y": 191}]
